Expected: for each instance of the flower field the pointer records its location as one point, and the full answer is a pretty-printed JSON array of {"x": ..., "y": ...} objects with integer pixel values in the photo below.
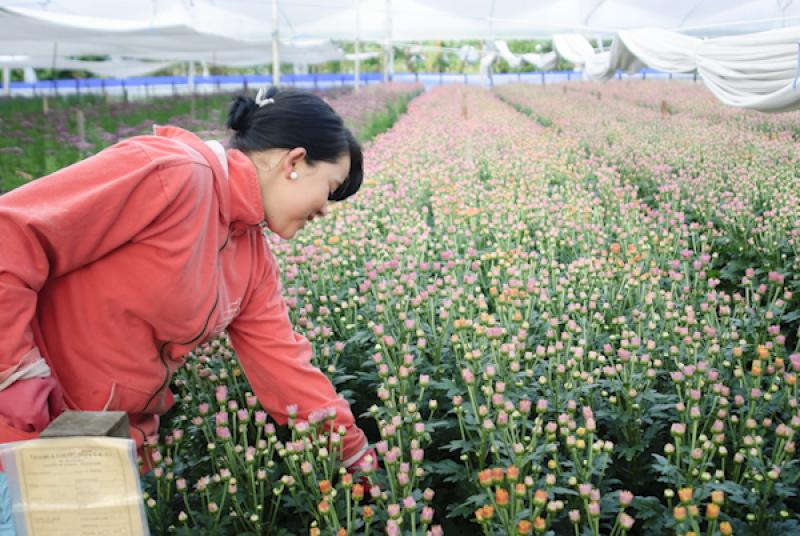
[
  {"x": 33, "y": 144},
  {"x": 555, "y": 311}
]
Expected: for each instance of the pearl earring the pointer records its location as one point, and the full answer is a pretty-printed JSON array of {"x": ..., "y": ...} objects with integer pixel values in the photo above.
[{"x": 293, "y": 175}]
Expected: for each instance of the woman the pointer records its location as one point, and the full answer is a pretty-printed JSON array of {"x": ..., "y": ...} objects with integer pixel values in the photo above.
[{"x": 112, "y": 269}]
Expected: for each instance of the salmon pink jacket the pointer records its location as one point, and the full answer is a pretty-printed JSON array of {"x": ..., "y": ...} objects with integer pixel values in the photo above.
[{"x": 112, "y": 269}]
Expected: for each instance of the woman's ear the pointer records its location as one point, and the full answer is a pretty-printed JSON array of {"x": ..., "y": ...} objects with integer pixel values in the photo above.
[{"x": 293, "y": 157}]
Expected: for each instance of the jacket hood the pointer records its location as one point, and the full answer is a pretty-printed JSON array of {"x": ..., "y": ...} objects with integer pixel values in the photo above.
[{"x": 239, "y": 194}]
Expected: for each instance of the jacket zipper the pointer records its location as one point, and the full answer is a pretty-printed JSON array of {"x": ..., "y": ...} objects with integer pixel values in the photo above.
[{"x": 161, "y": 353}]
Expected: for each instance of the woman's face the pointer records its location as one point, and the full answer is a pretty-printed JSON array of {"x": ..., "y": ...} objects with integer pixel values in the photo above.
[{"x": 292, "y": 203}]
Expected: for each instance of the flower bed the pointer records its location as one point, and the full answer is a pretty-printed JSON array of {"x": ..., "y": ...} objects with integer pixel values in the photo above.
[
  {"x": 560, "y": 311},
  {"x": 33, "y": 144},
  {"x": 587, "y": 327}
]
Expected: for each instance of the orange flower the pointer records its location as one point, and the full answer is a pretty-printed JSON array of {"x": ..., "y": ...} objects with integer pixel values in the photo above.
[
  {"x": 718, "y": 496},
  {"x": 615, "y": 248},
  {"x": 341, "y": 532},
  {"x": 501, "y": 497},
  {"x": 313, "y": 531},
  {"x": 540, "y": 497},
  {"x": 484, "y": 513},
  {"x": 324, "y": 507},
  {"x": 485, "y": 478},
  {"x": 325, "y": 486},
  {"x": 712, "y": 511},
  {"x": 512, "y": 473},
  {"x": 347, "y": 480},
  {"x": 358, "y": 492},
  {"x": 497, "y": 475},
  {"x": 524, "y": 527},
  {"x": 679, "y": 513},
  {"x": 367, "y": 512},
  {"x": 685, "y": 495},
  {"x": 762, "y": 352},
  {"x": 725, "y": 529},
  {"x": 539, "y": 524}
]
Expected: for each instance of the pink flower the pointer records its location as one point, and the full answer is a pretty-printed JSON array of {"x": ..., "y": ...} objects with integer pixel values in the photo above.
[
  {"x": 427, "y": 514},
  {"x": 625, "y": 521}
]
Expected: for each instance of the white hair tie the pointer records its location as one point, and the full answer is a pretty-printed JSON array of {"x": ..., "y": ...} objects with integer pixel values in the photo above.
[{"x": 261, "y": 98}]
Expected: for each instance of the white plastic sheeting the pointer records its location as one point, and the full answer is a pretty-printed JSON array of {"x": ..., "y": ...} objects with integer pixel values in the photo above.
[
  {"x": 512, "y": 59},
  {"x": 545, "y": 61},
  {"x": 574, "y": 48},
  {"x": 165, "y": 37},
  {"x": 406, "y": 20},
  {"x": 543, "y": 18},
  {"x": 757, "y": 71},
  {"x": 753, "y": 70},
  {"x": 116, "y": 67}
]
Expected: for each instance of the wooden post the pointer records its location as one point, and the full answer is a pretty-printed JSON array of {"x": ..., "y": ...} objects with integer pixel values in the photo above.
[
  {"x": 81, "y": 120},
  {"x": 89, "y": 423}
]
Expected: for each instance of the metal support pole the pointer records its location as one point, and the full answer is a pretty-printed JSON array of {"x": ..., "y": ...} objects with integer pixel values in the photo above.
[
  {"x": 276, "y": 62},
  {"x": 7, "y": 81},
  {"x": 358, "y": 45},
  {"x": 190, "y": 77},
  {"x": 388, "y": 50}
]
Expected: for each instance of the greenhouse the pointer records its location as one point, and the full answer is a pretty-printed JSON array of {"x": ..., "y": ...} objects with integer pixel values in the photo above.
[{"x": 418, "y": 267}]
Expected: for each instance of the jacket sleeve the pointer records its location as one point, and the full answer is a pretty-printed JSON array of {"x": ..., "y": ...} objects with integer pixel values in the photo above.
[
  {"x": 277, "y": 362},
  {"x": 62, "y": 222}
]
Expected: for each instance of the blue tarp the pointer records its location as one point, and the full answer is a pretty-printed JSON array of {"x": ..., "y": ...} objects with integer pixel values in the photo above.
[{"x": 6, "y": 522}]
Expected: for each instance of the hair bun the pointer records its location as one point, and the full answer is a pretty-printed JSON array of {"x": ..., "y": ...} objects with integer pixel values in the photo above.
[{"x": 240, "y": 112}]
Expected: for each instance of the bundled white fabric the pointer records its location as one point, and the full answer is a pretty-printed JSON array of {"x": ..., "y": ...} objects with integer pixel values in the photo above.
[
  {"x": 469, "y": 54},
  {"x": 486, "y": 64},
  {"x": 361, "y": 56},
  {"x": 116, "y": 67},
  {"x": 545, "y": 61},
  {"x": 541, "y": 61},
  {"x": 757, "y": 71},
  {"x": 512, "y": 59},
  {"x": 574, "y": 48},
  {"x": 661, "y": 49},
  {"x": 487, "y": 60},
  {"x": 604, "y": 65}
]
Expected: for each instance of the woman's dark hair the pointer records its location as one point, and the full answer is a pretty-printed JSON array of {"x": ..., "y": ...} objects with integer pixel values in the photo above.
[{"x": 297, "y": 118}]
